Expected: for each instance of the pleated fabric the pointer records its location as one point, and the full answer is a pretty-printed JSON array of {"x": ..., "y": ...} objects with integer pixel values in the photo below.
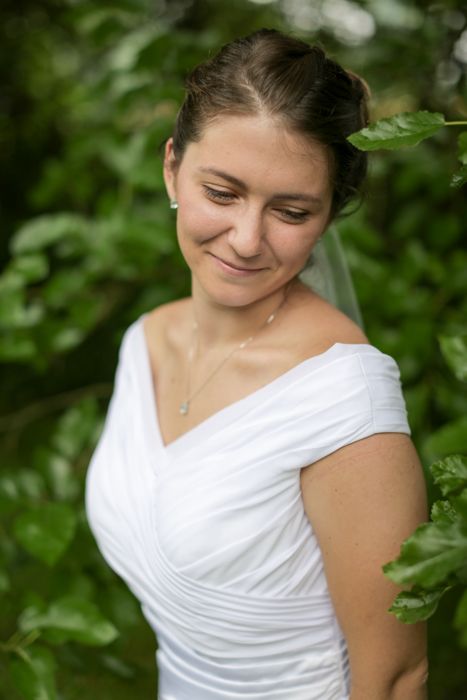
[{"x": 210, "y": 533}]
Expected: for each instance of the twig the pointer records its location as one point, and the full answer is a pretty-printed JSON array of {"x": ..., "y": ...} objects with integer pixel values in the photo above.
[{"x": 39, "y": 409}]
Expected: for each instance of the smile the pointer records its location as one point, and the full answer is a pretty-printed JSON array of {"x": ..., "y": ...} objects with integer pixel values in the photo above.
[{"x": 235, "y": 269}]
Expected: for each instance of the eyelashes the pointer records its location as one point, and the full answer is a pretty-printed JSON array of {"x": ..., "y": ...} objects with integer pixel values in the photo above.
[
  {"x": 220, "y": 195},
  {"x": 295, "y": 215},
  {"x": 223, "y": 197}
]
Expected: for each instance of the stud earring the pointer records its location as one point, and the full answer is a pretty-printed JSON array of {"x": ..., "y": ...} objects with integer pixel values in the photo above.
[{"x": 173, "y": 204}]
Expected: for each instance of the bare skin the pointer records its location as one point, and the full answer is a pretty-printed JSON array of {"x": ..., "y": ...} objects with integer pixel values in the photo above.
[{"x": 289, "y": 340}]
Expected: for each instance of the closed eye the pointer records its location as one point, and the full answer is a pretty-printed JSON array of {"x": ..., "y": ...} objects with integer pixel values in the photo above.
[
  {"x": 296, "y": 216},
  {"x": 218, "y": 195}
]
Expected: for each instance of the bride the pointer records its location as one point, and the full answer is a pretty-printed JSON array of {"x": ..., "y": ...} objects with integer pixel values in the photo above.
[{"x": 256, "y": 469}]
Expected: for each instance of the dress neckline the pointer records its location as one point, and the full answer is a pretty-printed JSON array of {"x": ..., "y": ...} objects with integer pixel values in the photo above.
[{"x": 239, "y": 407}]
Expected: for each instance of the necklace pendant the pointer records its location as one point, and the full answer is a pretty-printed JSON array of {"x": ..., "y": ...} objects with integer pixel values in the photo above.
[{"x": 184, "y": 408}]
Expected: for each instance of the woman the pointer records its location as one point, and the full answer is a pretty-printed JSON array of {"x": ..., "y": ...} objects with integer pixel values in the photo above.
[{"x": 255, "y": 470}]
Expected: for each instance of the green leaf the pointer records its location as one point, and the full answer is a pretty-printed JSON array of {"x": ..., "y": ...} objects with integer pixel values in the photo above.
[
  {"x": 450, "y": 473},
  {"x": 124, "y": 158},
  {"x": 13, "y": 297},
  {"x": 75, "y": 618},
  {"x": 399, "y": 131},
  {"x": 33, "y": 674},
  {"x": 430, "y": 554},
  {"x": 454, "y": 350},
  {"x": 44, "y": 230},
  {"x": 31, "y": 484},
  {"x": 31, "y": 268},
  {"x": 415, "y": 606},
  {"x": 75, "y": 429},
  {"x": 9, "y": 493},
  {"x": 459, "y": 178},
  {"x": 125, "y": 55},
  {"x": 59, "y": 473},
  {"x": 443, "y": 511},
  {"x": 64, "y": 286},
  {"x": 451, "y": 438},
  {"x": 46, "y": 531},
  {"x": 65, "y": 338}
]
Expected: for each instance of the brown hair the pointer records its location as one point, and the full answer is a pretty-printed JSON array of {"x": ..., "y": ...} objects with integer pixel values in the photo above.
[{"x": 270, "y": 72}]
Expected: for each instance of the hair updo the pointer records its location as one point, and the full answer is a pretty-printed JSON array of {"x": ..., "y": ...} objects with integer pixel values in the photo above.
[{"x": 271, "y": 73}]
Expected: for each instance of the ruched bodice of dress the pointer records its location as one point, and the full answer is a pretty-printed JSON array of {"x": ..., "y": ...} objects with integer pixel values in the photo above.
[{"x": 210, "y": 532}]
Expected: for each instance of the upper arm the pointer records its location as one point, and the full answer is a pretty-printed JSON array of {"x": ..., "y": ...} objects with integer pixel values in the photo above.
[{"x": 362, "y": 501}]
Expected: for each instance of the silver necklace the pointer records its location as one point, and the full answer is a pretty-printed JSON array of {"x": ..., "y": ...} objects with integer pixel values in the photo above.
[{"x": 185, "y": 405}]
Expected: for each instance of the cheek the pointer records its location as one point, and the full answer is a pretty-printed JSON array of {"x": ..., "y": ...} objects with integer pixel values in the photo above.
[
  {"x": 199, "y": 222},
  {"x": 295, "y": 245}
]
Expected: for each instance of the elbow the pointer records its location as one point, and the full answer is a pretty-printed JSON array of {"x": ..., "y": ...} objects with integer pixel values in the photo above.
[
  {"x": 410, "y": 682},
  {"x": 404, "y": 683}
]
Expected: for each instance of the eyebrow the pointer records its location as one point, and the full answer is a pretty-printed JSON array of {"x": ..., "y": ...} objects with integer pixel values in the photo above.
[{"x": 295, "y": 196}]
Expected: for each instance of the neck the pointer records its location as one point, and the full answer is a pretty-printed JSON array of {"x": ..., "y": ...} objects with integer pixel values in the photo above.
[{"x": 222, "y": 326}]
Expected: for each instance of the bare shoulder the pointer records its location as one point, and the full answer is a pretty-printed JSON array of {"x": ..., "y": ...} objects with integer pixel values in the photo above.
[
  {"x": 164, "y": 312},
  {"x": 317, "y": 324}
]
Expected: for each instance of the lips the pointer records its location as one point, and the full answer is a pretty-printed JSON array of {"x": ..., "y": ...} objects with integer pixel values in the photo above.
[{"x": 237, "y": 267}]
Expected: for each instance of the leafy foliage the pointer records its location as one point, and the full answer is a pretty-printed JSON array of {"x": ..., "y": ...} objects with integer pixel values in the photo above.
[
  {"x": 90, "y": 93},
  {"x": 450, "y": 474},
  {"x": 70, "y": 618},
  {"x": 435, "y": 551},
  {"x": 46, "y": 531},
  {"x": 34, "y": 674},
  {"x": 434, "y": 558},
  {"x": 454, "y": 350}
]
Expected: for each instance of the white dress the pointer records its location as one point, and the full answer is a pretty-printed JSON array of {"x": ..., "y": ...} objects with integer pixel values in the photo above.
[{"x": 210, "y": 532}]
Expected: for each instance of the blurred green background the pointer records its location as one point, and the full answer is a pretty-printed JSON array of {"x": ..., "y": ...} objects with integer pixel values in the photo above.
[{"x": 89, "y": 93}]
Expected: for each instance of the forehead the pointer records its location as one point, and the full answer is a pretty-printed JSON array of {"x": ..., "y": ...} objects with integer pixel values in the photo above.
[{"x": 258, "y": 149}]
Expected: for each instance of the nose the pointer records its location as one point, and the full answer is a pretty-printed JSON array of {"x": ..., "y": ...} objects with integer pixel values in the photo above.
[{"x": 247, "y": 233}]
